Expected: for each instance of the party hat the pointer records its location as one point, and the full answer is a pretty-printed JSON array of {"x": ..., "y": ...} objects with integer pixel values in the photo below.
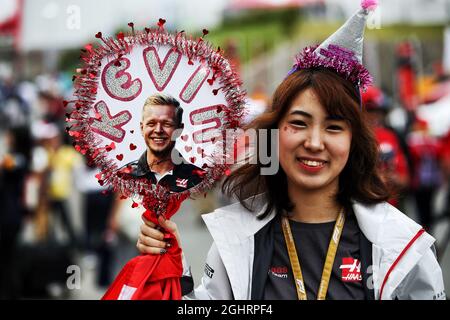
[{"x": 342, "y": 51}]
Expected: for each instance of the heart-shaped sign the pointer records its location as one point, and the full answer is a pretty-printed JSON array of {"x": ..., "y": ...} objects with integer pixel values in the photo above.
[{"x": 159, "y": 84}]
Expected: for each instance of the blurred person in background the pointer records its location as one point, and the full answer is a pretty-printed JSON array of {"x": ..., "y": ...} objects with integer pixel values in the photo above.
[
  {"x": 393, "y": 162},
  {"x": 444, "y": 156},
  {"x": 14, "y": 110},
  {"x": 97, "y": 205},
  {"x": 57, "y": 164},
  {"x": 14, "y": 168},
  {"x": 426, "y": 178},
  {"x": 63, "y": 160},
  {"x": 120, "y": 237},
  {"x": 51, "y": 107}
]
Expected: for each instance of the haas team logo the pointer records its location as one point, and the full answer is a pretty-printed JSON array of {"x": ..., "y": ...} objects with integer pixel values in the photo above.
[{"x": 351, "y": 270}]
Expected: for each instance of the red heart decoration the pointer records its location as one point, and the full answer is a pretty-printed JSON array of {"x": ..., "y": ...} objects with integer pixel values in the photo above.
[
  {"x": 120, "y": 36},
  {"x": 210, "y": 81},
  {"x": 134, "y": 205},
  {"x": 131, "y": 131},
  {"x": 161, "y": 22},
  {"x": 119, "y": 157},
  {"x": 185, "y": 137},
  {"x": 98, "y": 176},
  {"x": 132, "y": 146},
  {"x": 98, "y": 35},
  {"x": 101, "y": 182},
  {"x": 187, "y": 148},
  {"x": 147, "y": 30},
  {"x": 110, "y": 147},
  {"x": 131, "y": 24},
  {"x": 192, "y": 159},
  {"x": 205, "y": 32}
]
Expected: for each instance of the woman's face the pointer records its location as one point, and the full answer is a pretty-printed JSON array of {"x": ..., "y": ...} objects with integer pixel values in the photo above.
[{"x": 314, "y": 147}]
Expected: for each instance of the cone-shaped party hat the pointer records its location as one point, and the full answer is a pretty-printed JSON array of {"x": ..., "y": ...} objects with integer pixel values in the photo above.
[{"x": 342, "y": 51}]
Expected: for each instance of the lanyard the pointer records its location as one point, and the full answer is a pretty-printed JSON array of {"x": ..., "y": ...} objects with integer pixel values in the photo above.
[{"x": 328, "y": 266}]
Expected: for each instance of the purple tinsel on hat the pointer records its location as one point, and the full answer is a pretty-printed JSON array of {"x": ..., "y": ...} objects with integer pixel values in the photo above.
[{"x": 335, "y": 58}]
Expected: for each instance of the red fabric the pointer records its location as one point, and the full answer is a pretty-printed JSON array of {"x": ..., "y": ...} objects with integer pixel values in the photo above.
[
  {"x": 12, "y": 25},
  {"x": 155, "y": 277}
]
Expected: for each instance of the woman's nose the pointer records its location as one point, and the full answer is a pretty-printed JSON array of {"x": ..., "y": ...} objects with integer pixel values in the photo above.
[{"x": 314, "y": 141}]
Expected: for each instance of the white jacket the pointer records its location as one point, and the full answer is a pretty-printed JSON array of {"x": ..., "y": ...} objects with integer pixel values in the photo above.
[{"x": 404, "y": 262}]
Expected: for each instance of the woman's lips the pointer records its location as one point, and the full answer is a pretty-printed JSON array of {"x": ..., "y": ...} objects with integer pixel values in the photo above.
[{"x": 312, "y": 166}]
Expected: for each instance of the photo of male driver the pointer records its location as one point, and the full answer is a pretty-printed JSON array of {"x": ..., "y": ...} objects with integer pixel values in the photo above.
[{"x": 161, "y": 117}]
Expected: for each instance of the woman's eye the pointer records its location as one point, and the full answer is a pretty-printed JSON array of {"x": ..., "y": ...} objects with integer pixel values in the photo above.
[
  {"x": 298, "y": 123},
  {"x": 335, "y": 128}
]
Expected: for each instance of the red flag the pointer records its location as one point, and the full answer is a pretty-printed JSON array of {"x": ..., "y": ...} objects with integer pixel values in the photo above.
[{"x": 11, "y": 25}]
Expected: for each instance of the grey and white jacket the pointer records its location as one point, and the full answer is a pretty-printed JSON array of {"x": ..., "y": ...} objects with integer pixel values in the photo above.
[{"x": 403, "y": 257}]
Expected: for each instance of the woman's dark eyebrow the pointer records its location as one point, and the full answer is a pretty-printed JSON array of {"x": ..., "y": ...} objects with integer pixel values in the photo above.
[
  {"x": 306, "y": 114},
  {"x": 338, "y": 118},
  {"x": 301, "y": 113}
]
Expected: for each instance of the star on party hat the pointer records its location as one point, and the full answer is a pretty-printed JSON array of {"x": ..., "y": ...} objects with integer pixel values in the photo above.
[{"x": 342, "y": 51}]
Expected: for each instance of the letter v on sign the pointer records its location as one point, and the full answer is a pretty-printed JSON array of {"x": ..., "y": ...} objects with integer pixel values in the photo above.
[{"x": 161, "y": 72}]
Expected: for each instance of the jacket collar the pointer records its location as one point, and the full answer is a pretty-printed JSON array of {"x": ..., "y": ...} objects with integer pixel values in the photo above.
[
  {"x": 142, "y": 165},
  {"x": 389, "y": 230}
]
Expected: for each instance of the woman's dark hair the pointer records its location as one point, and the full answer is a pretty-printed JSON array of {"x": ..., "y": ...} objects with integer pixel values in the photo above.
[{"x": 359, "y": 179}]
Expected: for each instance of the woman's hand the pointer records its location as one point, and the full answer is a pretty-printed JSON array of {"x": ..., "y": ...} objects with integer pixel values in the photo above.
[{"x": 150, "y": 239}]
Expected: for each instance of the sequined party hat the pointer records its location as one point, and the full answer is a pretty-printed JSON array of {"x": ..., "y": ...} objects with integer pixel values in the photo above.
[{"x": 342, "y": 51}]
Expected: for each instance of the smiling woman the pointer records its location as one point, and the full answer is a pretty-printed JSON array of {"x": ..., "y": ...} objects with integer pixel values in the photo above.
[{"x": 320, "y": 227}]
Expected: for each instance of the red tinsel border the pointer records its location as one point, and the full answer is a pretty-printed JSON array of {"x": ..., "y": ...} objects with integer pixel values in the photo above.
[{"x": 86, "y": 83}]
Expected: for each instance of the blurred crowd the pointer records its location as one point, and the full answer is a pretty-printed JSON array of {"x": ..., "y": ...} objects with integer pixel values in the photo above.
[
  {"x": 44, "y": 182},
  {"x": 41, "y": 234}
]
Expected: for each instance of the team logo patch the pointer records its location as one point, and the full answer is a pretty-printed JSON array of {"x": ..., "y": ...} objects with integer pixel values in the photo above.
[
  {"x": 351, "y": 270},
  {"x": 209, "y": 271},
  {"x": 182, "y": 183},
  {"x": 279, "y": 272}
]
